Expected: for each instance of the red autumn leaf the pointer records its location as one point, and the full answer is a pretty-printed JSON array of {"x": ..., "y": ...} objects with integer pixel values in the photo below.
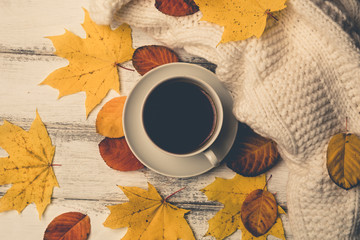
[
  {"x": 117, "y": 155},
  {"x": 252, "y": 154},
  {"x": 177, "y": 8},
  {"x": 148, "y": 57},
  {"x": 259, "y": 212},
  {"x": 68, "y": 226}
]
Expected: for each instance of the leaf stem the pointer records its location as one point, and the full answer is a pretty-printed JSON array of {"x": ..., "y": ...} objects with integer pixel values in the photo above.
[
  {"x": 120, "y": 66},
  {"x": 267, "y": 181},
  {"x": 55, "y": 165},
  {"x": 346, "y": 125},
  {"x": 269, "y": 13},
  {"x": 173, "y": 194}
]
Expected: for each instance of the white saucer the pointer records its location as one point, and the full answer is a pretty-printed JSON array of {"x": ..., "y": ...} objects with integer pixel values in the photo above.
[{"x": 142, "y": 146}]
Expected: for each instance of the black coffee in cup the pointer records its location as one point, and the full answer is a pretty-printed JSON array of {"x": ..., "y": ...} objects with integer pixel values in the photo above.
[{"x": 179, "y": 116}]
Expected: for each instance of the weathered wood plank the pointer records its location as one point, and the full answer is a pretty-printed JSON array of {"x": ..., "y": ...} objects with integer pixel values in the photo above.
[
  {"x": 27, "y": 224},
  {"x": 84, "y": 175},
  {"x": 24, "y": 24},
  {"x": 87, "y": 184}
]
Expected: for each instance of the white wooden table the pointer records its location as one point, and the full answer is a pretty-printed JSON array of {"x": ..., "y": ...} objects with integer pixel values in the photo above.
[{"x": 87, "y": 184}]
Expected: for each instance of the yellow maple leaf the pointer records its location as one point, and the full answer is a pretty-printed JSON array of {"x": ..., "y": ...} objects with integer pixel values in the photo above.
[
  {"x": 28, "y": 167},
  {"x": 93, "y": 61},
  {"x": 148, "y": 216},
  {"x": 241, "y": 19},
  {"x": 232, "y": 193}
]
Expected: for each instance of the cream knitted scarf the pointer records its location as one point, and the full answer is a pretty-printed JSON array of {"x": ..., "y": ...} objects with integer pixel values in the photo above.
[{"x": 295, "y": 85}]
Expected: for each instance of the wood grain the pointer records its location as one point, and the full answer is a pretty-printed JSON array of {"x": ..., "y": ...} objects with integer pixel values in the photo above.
[{"x": 87, "y": 184}]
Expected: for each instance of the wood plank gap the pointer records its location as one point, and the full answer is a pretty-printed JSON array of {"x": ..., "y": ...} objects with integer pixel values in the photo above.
[
  {"x": 195, "y": 206},
  {"x": 25, "y": 52}
]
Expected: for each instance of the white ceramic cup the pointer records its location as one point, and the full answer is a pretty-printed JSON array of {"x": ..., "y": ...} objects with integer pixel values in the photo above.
[
  {"x": 195, "y": 162},
  {"x": 218, "y": 118}
]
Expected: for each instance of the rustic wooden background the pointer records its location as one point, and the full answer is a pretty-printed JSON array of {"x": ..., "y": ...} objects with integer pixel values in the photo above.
[{"x": 87, "y": 184}]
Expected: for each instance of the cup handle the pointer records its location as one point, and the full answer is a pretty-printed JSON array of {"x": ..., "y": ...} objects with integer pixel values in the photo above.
[{"x": 213, "y": 159}]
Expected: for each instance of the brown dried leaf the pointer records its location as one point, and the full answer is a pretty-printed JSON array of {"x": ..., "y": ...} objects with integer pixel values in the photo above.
[
  {"x": 252, "y": 154},
  {"x": 68, "y": 226},
  {"x": 148, "y": 57},
  {"x": 343, "y": 160},
  {"x": 177, "y": 8},
  {"x": 259, "y": 212},
  {"x": 117, "y": 155},
  {"x": 109, "y": 118}
]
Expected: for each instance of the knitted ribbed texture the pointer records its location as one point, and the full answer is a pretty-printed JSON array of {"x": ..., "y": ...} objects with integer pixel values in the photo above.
[{"x": 295, "y": 85}]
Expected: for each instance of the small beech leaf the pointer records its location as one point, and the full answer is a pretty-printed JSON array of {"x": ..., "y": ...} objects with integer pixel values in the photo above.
[
  {"x": 252, "y": 154},
  {"x": 343, "y": 160},
  {"x": 177, "y": 8},
  {"x": 259, "y": 212},
  {"x": 151, "y": 56},
  {"x": 68, "y": 226},
  {"x": 109, "y": 118},
  {"x": 117, "y": 155}
]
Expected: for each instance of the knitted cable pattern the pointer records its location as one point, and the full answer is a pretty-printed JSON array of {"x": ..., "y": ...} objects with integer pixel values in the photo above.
[{"x": 295, "y": 85}]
